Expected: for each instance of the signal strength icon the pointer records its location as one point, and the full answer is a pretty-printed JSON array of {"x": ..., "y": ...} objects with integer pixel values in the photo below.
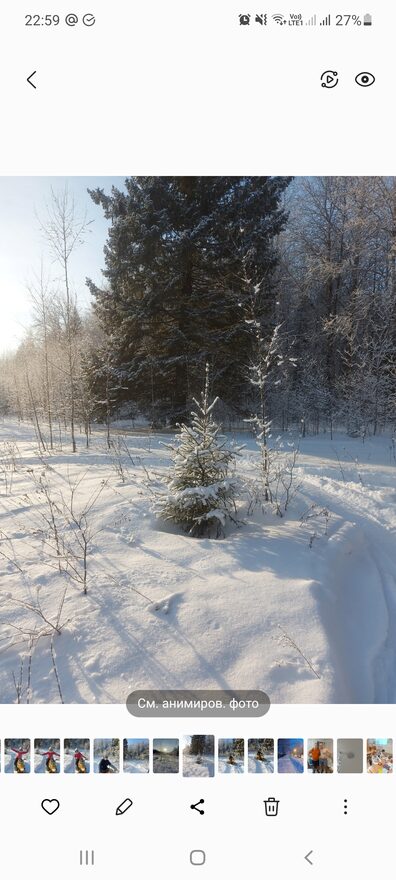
[
  {"x": 326, "y": 21},
  {"x": 312, "y": 20}
]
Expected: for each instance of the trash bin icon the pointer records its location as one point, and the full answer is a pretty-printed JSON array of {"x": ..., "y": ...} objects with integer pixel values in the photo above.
[{"x": 271, "y": 807}]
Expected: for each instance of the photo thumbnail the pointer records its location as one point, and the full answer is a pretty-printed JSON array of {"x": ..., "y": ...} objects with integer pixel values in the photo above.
[
  {"x": 231, "y": 755},
  {"x": 349, "y": 756},
  {"x": 198, "y": 755},
  {"x": 380, "y": 756},
  {"x": 106, "y": 755},
  {"x": 165, "y": 756},
  {"x": 136, "y": 754},
  {"x": 77, "y": 756},
  {"x": 261, "y": 755},
  {"x": 290, "y": 755},
  {"x": 17, "y": 756},
  {"x": 46, "y": 755},
  {"x": 320, "y": 756}
]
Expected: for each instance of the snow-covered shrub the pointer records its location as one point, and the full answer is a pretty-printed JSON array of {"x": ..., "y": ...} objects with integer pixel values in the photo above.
[
  {"x": 200, "y": 494},
  {"x": 275, "y": 468}
]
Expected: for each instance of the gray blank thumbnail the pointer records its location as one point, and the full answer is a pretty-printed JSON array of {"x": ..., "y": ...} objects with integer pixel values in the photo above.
[{"x": 350, "y": 756}]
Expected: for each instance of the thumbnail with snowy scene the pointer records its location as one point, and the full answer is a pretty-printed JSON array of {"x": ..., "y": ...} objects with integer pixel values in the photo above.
[
  {"x": 290, "y": 756},
  {"x": 261, "y": 756},
  {"x": 77, "y": 755},
  {"x": 198, "y": 756},
  {"x": 165, "y": 756},
  {"x": 136, "y": 755},
  {"x": 106, "y": 756},
  {"x": 197, "y": 444},
  {"x": 231, "y": 753},
  {"x": 17, "y": 756},
  {"x": 47, "y": 756}
]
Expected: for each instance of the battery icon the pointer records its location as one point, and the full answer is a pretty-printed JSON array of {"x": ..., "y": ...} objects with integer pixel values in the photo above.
[{"x": 368, "y": 19}]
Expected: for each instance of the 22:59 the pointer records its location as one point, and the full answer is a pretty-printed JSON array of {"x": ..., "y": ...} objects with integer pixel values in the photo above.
[{"x": 38, "y": 20}]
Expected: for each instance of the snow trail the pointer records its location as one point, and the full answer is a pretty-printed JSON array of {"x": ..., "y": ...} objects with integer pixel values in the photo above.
[{"x": 357, "y": 592}]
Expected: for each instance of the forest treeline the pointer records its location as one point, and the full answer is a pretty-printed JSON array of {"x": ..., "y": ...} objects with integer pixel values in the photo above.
[{"x": 291, "y": 278}]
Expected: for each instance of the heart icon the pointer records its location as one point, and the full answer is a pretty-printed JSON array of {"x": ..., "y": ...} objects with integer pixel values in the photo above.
[{"x": 50, "y": 806}]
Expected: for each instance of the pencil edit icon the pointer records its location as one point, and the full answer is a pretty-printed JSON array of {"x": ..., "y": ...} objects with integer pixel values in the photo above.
[{"x": 122, "y": 808}]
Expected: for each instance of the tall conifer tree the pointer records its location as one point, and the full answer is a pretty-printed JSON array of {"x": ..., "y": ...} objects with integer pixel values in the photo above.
[{"x": 175, "y": 257}]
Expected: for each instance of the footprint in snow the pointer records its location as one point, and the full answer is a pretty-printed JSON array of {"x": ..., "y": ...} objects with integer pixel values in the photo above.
[{"x": 163, "y": 606}]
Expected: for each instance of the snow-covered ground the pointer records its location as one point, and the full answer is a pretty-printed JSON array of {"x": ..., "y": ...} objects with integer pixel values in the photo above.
[
  {"x": 40, "y": 765},
  {"x": 70, "y": 765},
  {"x": 202, "y": 767},
  {"x": 163, "y": 763},
  {"x": 226, "y": 767},
  {"x": 257, "y": 766},
  {"x": 114, "y": 763},
  {"x": 9, "y": 760},
  {"x": 136, "y": 765},
  {"x": 290, "y": 764},
  {"x": 276, "y": 605}
]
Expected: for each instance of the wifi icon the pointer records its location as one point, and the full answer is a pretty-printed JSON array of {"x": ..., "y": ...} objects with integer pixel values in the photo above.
[{"x": 280, "y": 19}]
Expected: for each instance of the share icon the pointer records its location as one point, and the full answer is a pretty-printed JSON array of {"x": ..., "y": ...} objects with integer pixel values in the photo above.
[{"x": 196, "y": 806}]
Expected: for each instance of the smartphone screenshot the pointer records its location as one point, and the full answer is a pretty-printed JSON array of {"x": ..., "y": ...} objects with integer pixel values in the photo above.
[{"x": 197, "y": 439}]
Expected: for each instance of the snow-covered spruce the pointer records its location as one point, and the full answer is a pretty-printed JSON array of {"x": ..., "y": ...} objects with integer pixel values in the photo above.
[{"x": 200, "y": 495}]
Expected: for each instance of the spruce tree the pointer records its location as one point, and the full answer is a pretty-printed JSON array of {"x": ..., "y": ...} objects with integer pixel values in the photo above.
[
  {"x": 173, "y": 299},
  {"x": 198, "y": 744},
  {"x": 200, "y": 494}
]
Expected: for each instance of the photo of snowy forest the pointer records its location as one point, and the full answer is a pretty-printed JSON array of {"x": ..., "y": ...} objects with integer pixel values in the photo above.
[
  {"x": 165, "y": 756},
  {"x": 231, "y": 754},
  {"x": 198, "y": 756},
  {"x": 136, "y": 754},
  {"x": 261, "y": 755},
  {"x": 198, "y": 437}
]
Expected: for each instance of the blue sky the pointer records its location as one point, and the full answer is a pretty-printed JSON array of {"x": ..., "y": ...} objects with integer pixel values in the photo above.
[
  {"x": 165, "y": 744},
  {"x": 22, "y": 244}
]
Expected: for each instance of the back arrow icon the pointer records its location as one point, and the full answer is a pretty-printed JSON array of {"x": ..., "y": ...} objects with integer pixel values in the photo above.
[
  {"x": 29, "y": 79},
  {"x": 307, "y": 857}
]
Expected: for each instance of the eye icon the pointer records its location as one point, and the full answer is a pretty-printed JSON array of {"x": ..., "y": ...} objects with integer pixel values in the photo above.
[{"x": 365, "y": 79}]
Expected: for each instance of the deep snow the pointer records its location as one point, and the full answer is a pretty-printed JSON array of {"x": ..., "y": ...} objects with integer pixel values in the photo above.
[
  {"x": 110, "y": 771},
  {"x": 202, "y": 767},
  {"x": 163, "y": 763},
  {"x": 256, "y": 766},
  {"x": 136, "y": 765},
  {"x": 290, "y": 764},
  {"x": 40, "y": 764},
  {"x": 70, "y": 765},
  {"x": 276, "y": 605},
  {"x": 226, "y": 767},
  {"x": 9, "y": 761}
]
